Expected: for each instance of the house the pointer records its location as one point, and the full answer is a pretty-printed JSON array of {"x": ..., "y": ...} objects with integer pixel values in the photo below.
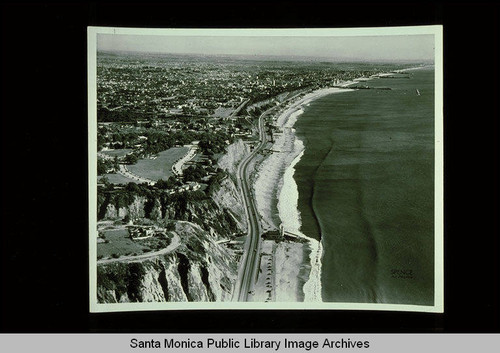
[{"x": 140, "y": 232}]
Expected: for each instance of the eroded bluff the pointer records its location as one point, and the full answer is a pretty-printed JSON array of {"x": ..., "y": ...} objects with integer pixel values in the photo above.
[{"x": 200, "y": 267}]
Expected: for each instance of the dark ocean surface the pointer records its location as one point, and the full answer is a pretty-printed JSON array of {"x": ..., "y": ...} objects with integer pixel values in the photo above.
[{"x": 366, "y": 187}]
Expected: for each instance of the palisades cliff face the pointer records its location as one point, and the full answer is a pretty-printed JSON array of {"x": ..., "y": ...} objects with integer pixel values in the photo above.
[
  {"x": 198, "y": 270},
  {"x": 201, "y": 261}
]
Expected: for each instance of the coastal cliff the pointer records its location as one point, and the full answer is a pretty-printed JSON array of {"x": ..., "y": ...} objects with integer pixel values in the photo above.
[
  {"x": 221, "y": 214},
  {"x": 198, "y": 270},
  {"x": 226, "y": 193},
  {"x": 233, "y": 156},
  {"x": 202, "y": 267}
]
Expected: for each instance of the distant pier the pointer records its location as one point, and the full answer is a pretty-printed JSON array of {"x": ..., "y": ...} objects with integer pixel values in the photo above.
[{"x": 363, "y": 87}]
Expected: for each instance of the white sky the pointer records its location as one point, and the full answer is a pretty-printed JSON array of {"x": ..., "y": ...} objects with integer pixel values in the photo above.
[{"x": 393, "y": 47}]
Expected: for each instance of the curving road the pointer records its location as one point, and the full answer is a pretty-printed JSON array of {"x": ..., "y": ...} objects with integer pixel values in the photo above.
[
  {"x": 250, "y": 263},
  {"x": 176, "y": 241}
]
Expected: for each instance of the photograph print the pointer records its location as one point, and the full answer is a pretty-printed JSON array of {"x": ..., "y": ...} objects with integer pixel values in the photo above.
[{"x": 265, "y": 169}]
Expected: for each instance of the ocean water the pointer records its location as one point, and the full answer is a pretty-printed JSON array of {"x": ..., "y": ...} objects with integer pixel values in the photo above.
[{"x": 366, "y": 189}]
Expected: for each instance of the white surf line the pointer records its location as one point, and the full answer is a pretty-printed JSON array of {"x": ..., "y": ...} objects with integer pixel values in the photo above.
[
  {"x": 288, "y": 195},
  {"x": 291, "y": 218}
]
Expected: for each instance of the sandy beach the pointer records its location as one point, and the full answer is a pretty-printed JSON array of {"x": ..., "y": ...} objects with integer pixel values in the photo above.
[{"x": 297, "y": 266}]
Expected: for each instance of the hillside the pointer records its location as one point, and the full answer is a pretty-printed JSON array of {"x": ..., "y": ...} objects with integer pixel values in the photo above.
[{"x": 203, "y": 267}]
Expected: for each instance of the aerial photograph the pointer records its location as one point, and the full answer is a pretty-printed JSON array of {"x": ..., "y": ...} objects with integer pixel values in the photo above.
[{"x": 265, "y": 169}]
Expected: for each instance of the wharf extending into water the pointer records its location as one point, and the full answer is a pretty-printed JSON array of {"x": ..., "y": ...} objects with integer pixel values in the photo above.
[{"x": 362, "y": 87}]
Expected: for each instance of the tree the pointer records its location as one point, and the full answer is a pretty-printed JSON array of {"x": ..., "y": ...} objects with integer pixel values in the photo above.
[
  {"x": 132, "y": 187},
  {"x": 101, "y": 167},
  {"x": 173, "y": 181},
  {"x": 156, "y": 210},
  {"x": 194, "y": 173},
  {"x": 104, "y": 166},
  {"x": 170, "y": 226},
  {"x": 104, "y": 180},
  {"x": 131, "y": 159},
  {"x": 115, "y": 163},
  {"x": 161, "y": 184}
]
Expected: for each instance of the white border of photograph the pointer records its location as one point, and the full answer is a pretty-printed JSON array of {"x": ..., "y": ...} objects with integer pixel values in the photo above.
[{"x": 435, "y": 30}]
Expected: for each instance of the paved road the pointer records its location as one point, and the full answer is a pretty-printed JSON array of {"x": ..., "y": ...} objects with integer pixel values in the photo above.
[
  {"x": 237, "y": 110},
  {"x": 250, "y": 264},
  {"x": 177, "y": 166},
  {"x": 176, "y": 241},
  {"x": 123, "y": 170},
  {"x": 127, "y": 173}
]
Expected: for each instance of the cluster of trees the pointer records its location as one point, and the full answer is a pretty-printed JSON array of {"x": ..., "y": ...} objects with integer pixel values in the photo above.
[
  {"x": 155, "y": 141},
  {"x": 255, "y": 112},
  {"x": 242, "y": 123},
  {"x": 105, "y": 115},
  {"x": 196, "y": 195},
  {"x": 168, "y": 184},
  {"x": 194, "y": 173},
  {"x": 124, "y": 197},
  {"x": 138, "y": 189},
  {"x": 215, "y": 180},
  {"x": 211, "y": 143},
  {"x": 158, "y": 141},
  {"x": 117, "y": 138},
  {"x": 271, "y": 92},
  {"x": 130, "y": 158},
  {"x": 105, "y": 166},
  {"x": 119, "y": 197}
]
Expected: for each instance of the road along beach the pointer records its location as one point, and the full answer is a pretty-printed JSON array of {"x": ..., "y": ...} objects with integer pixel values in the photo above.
[{"x": 297, "y": 265}]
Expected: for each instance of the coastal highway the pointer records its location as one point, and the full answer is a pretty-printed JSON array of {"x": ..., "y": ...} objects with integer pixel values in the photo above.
[{"x": 250, "y": 263}]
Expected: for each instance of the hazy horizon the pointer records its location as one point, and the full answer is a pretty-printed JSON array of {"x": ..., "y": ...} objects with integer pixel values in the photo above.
[
  {"x": 295, "y": 58},
  {"x": 398, "y": 48}
]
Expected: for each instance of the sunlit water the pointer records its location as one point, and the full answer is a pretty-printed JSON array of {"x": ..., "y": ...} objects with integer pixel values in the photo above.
[{"x": 365, "y": 184}]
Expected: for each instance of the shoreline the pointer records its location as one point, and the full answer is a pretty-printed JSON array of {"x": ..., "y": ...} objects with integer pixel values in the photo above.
[
  {"x": 298, "y": 276},
  {"x": 312, "y": 287}
]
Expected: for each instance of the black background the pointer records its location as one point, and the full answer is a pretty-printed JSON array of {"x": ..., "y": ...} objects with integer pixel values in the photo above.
[{"x": 44, "y": 284}]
